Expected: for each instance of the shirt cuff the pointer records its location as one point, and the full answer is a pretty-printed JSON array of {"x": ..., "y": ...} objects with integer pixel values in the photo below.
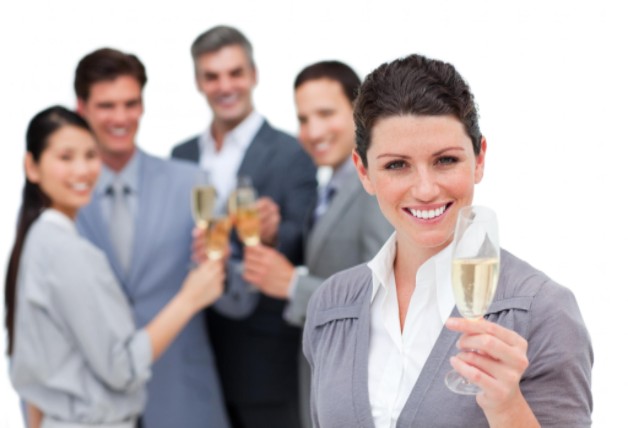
[{"x": 298, "y": 271}]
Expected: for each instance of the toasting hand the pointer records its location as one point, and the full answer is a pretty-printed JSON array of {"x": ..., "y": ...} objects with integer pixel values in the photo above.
[
  {"x": 268, "y": 270},
  {"x": 269, "y": 217}
]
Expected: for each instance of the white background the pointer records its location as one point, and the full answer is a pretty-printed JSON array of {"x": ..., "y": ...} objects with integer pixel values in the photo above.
[{"x": 549, "y": 78}]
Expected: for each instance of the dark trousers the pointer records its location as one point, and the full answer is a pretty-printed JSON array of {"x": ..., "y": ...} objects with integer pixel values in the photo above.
[{"x": 275, "y": 415}]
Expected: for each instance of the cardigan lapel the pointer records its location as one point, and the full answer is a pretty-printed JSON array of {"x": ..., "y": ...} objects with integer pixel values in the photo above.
[
  {"x": 428, "y": 376},
  {"x": 361, "y": 401}
]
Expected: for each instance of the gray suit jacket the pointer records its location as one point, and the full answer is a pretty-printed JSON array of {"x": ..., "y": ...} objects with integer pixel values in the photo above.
[
  {"x": 350, "y": 233},
  {"x": 556, "y": 385},
  {"x": 184, "y": 388}
]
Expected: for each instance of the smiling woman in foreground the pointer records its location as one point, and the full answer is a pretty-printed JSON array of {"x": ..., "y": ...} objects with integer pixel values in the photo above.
[{"x": 379, "y": 337}]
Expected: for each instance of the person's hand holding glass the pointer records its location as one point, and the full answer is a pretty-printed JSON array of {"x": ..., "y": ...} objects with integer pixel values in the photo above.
[
  {"x": 492, "y": 358},
  {"x": 475, "y": 269}
]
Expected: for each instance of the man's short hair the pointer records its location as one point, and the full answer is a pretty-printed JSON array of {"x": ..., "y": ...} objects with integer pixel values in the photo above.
[
  {"x": 219, "y": 37},
  {"x": 332, "y": 70},
  {"x": 106, "y": 64}
]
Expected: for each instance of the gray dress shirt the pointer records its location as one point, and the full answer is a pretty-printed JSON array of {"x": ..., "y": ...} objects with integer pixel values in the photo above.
[{"x": 77, "y": 355}]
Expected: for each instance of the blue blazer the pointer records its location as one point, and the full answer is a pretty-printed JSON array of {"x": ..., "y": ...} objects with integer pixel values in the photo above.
[
  {"x": 184, "y": 389},
  {"x": 257, "y": 355}
]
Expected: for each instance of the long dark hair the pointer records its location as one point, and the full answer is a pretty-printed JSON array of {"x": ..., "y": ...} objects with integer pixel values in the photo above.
[{"x": 34, "y": 201}]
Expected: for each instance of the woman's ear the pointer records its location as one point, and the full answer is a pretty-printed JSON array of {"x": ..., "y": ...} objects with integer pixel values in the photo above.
[
  {"x": 479, "y": 161},
  {"x": 362, "y": 172},
  {"x": 30, "y": 168}
]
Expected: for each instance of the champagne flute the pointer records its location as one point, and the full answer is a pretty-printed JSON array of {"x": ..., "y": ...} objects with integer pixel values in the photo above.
[
  {"x": 203, "y": 203},
  {"x": 242, "y": 205},
  {"x": 475, "y": 269},
  {"x": 218, "y": 232},
  {"x": 216, "y": 225}
]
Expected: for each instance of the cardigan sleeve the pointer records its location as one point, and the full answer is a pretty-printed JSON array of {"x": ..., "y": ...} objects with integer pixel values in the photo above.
[{"x": 557, "y": 384}]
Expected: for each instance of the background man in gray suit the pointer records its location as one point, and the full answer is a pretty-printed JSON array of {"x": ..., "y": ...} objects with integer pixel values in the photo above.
[
  {"x": 256, "y": 356},
  {"x": 347, "y": 227},
  {"x": 153, "y": 258}
]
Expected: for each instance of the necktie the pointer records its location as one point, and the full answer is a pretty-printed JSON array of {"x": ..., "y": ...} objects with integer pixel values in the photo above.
[
  {"x": 121, "y": 225},
  {"x": 324, "y": 199}
]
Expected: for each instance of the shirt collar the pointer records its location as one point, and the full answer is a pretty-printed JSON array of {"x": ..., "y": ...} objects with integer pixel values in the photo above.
[
  {"x": 129, "y": 175},
  {"x": 437, "y": 269},
  {"x": 241, "y": 136},
  {"x": 50, "y": 215}
]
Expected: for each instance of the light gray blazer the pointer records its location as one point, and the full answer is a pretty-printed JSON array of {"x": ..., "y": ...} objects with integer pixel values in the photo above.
[
  {"x": 556, "y": 385},
  {"x": 350, "y": 233},
  {"x": 184, "y": 389},
  {"x": 77, "y": 355}
]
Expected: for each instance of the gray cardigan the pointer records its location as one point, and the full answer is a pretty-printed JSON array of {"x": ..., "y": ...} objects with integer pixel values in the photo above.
[{"x": 556, "y": 385}]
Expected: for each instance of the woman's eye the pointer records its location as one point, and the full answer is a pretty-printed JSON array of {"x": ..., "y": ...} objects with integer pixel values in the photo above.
[
  {"x": 447, "y": 160},
  {"x": 398, "y": 164}
]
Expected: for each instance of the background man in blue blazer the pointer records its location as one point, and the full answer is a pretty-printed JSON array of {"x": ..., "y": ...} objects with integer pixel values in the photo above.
[
  {"x": 346, "y": 228},
  {"x": 256, "y": 356},
  {"x": 153, "y": 260}
]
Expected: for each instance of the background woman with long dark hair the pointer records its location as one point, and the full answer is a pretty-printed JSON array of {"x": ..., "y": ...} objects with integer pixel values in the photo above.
[{"x": 76, "y": 356}]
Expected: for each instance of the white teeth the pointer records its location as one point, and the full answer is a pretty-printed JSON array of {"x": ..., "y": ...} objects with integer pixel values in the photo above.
[
  {"x": 428, "y": 214},
  {"x": 321, "y": 147},
  {"x": 228, "y": 99},
  {"x": 118, "y": 132},
  {"x": 80, "y": 186}
]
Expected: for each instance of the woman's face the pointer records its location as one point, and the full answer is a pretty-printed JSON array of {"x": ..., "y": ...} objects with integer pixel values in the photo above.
[
  {"x": 67, "y": 169},
  {"x": 422, "y": 170}
]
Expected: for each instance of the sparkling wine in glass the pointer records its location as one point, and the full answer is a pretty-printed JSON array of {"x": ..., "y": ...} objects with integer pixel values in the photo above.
[
  {"x": 245, "y": 214},
  {"x": 203, "y": 205},
  {"x": 218, "y": 231},
  {"x": 475, "y": 269}
]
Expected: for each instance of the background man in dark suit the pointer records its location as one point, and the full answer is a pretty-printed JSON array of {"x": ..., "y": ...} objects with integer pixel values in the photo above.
[
  {"x": 153, "y": 259},
  {"x": 347, "y": 227},
  {"x": 256, "y": 356}
]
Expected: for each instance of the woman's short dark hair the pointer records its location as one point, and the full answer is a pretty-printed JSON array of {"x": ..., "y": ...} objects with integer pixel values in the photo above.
[
  {"x": 414, "y": 85},
  {"x": 333, "y": 70},
  {"x": 34, "y": 201},
  {"x": 106, "y": 65}
]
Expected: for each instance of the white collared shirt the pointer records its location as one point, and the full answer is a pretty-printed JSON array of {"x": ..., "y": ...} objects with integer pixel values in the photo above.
[
  {"x": 223, "y": 165},
  {"x": 396, "y": 358}
]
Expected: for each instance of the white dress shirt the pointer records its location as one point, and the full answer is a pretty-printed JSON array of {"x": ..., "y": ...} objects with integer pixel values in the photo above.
[
  {"x": 396, "y": 358},
  {"x": 223, "y": 165}
]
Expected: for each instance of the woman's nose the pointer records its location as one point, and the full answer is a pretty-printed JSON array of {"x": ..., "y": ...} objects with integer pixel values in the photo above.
[{"x": 425, "y": 188}]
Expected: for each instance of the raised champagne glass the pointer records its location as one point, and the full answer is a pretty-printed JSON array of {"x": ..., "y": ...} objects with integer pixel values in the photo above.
[
  {"x": 475, "y": 269},
  {"x": 208, "y": 217},
  {"x": 218, "y": 233},
  {"x": 245, "y": 213},
  {"x": 203, "y": 205}
]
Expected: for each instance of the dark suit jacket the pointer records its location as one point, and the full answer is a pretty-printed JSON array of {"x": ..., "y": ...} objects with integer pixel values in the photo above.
[{"x": 257, "y": 355}]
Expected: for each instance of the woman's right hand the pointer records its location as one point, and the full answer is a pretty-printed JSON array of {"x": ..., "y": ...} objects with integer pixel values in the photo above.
[{"x": 204, "y": 284}]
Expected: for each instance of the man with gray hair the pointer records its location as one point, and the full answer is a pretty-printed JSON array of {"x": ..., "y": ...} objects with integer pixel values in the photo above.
[{"x": 256, "y": 356}]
